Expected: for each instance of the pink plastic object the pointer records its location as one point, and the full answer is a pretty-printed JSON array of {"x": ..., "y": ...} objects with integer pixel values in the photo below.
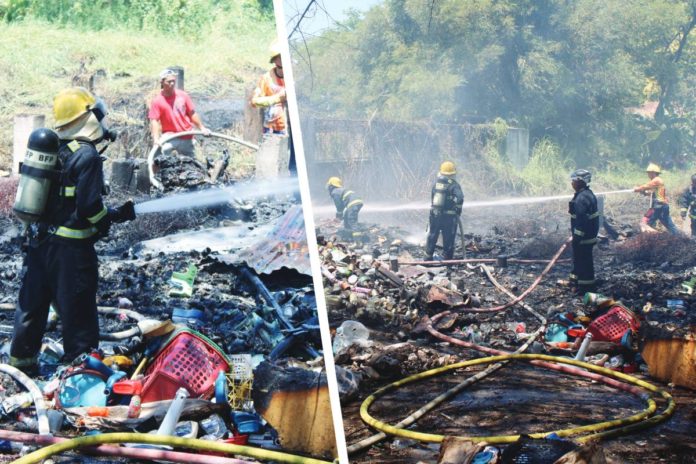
[
  {"x": 612, "y": 325},
  {"x": 186, "y": 361}
]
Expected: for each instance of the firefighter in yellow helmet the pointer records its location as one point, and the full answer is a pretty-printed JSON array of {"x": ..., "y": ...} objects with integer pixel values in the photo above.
[
  {"x": 446, "y": 206},
  {"x": 61, "y": 263},
  {"x": 659, "y": 203},
  {"x": 348, "y": 204}
]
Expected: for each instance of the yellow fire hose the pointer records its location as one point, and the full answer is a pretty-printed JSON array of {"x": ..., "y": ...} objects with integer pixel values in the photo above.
[
  {"x": 191, "y": 443},
  {"x": 597, "y": 431}
]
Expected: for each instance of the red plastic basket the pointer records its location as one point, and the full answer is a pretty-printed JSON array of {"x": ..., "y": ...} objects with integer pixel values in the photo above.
[
  {"x": 613, "y": 324},
  {"x": 187, "y": 361}
]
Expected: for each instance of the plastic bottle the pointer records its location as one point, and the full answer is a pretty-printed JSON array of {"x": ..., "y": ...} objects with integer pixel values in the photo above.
[
  {"x": 134, "y": 407},
  {"x": 580, "y": 356},
  {"x": 214, "y": 426},
  {"x": 173, "y": 413}
]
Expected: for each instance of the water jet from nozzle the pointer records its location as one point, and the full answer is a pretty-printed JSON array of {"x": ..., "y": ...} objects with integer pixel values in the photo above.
[
  {"x": 217, "y": 196},
  {"x": 424, "y": 206}
]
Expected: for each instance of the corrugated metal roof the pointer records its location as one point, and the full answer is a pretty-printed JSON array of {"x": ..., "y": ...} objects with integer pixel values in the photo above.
[{"x": 285, "y": 246}]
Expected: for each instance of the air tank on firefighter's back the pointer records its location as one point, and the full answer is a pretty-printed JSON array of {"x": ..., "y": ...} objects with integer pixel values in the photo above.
[{"x": 35, "y": 175}]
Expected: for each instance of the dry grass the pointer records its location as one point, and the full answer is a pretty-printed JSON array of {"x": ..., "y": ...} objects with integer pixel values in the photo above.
[
  {"x": 657, "y": 248},
  {"x": 8, "y": 190},
  {"x": 219, "y": 63}
]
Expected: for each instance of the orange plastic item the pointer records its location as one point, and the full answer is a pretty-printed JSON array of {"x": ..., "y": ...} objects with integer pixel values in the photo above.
[
  {"x": 576, "y": 333},
  {"x": 98, "y": 411}
]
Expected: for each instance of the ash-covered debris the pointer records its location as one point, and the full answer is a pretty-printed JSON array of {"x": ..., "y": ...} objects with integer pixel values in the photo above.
[
  {"x": 177, "y": 172},
  {"x": 179, "y": 323},
  {"x": 646, "y": 315}
]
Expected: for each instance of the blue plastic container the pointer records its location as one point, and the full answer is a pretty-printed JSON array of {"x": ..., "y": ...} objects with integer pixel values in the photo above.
[
  {"x": 191, "y": 317},
  {"x": 246, "y": 422}
]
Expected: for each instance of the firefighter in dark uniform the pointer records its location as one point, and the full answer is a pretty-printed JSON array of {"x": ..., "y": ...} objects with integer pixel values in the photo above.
[
  {"x": 348, "y": 205},
  {"x": 61, "y": 263},
  {"x": 446, "y": 207},
  {"x": 687, "y": 202},
  {"x": 584, "y": 225}
]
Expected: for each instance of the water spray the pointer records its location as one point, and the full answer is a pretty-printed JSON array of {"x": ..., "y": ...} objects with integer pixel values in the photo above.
[
  {"x": 424, "y": 206},
  {"x": 217, "y": 196}
]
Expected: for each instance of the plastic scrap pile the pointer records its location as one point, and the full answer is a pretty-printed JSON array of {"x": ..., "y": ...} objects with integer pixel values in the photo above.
[
  {"x": 381, "y": 300},
  {"x": 148, "y": 377}
]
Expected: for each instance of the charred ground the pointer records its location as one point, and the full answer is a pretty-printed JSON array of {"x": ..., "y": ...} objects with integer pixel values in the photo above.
[{"x": 643, "y": 271}]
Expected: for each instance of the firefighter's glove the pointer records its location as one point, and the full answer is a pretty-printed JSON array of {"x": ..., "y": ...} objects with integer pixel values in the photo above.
[
  {"x": 682, "y": 213},
  {"x": 125, "y": 212},
  {"x": 104, "y": 224}
]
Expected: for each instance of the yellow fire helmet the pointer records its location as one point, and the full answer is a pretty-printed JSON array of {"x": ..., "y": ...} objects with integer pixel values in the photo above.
[
  {"x": 652, "y": 167},
  {"x": 334, "y": 182},
  {"x": 274, "y": 50},
  {"x": 70, "y": 104},
  {"x": 447, "y": 169}
]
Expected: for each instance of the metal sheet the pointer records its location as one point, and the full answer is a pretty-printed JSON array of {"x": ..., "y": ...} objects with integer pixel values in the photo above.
[{"x": 285, "y": 246}]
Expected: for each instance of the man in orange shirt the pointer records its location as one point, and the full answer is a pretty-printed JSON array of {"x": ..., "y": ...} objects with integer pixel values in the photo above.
[
  {"x": 270, "y": 95},
  {"x": 659, "y": 204}
]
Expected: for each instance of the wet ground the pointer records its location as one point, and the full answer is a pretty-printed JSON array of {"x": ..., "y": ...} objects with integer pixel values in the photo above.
[{"x": 518, "y": 398}]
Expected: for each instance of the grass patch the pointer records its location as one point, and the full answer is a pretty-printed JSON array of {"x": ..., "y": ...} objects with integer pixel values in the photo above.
[
  {"x": 8, "y": 191},
  {"x": 40, "y": 58}
]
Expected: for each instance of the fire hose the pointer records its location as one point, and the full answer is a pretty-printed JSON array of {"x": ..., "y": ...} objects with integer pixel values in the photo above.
[
  {"x": 529, "y": 290},
  {"x": 191, "y": 443},
  {"x": 443, "y": 397},
  {"x": 166, "y": 138},
  {"x": 142, "y": 322},
  {"x": 596, "y": 431},
  {"x": 36, "y": 396},
  {"x": 148, "y": 454},
  {"x": 427, "y": 324}
]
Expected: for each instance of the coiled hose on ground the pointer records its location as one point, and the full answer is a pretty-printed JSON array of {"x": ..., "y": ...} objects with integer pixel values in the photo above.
[
  {"x": 432, "y": 404},
  {"x": 595, "y": 431},
  {"x": 624, "y": 425}
]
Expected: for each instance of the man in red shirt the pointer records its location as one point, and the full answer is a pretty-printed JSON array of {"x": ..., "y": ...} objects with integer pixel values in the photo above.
[{"x": 173, "y": 111}]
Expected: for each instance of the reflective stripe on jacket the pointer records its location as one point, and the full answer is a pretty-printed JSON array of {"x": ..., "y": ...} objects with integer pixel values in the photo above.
[{"x": 75, "y": 204}]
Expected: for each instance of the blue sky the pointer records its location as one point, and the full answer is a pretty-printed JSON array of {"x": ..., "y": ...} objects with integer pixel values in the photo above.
[{"x": 322, "y": 14}]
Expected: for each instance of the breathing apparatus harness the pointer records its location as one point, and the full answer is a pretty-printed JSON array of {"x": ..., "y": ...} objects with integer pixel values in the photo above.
[{"x": 44, "y": 163}]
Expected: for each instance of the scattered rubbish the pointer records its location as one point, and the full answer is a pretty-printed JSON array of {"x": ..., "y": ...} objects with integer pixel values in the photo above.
[
  {"x": 580, "y": 356},
  {"x": 187, "y": 360},
  {"x": 183, "y": 282},
  {"x": 186, "y": 429},
  {"x": 170, "y": 420},
  {"x": 349, "y": 333},
  {"x": 214, "y": 427},
  {"x": 191, "y": 317},
  {"x": 527, "y": 450},
  {"x": 545, "y": 321}
]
